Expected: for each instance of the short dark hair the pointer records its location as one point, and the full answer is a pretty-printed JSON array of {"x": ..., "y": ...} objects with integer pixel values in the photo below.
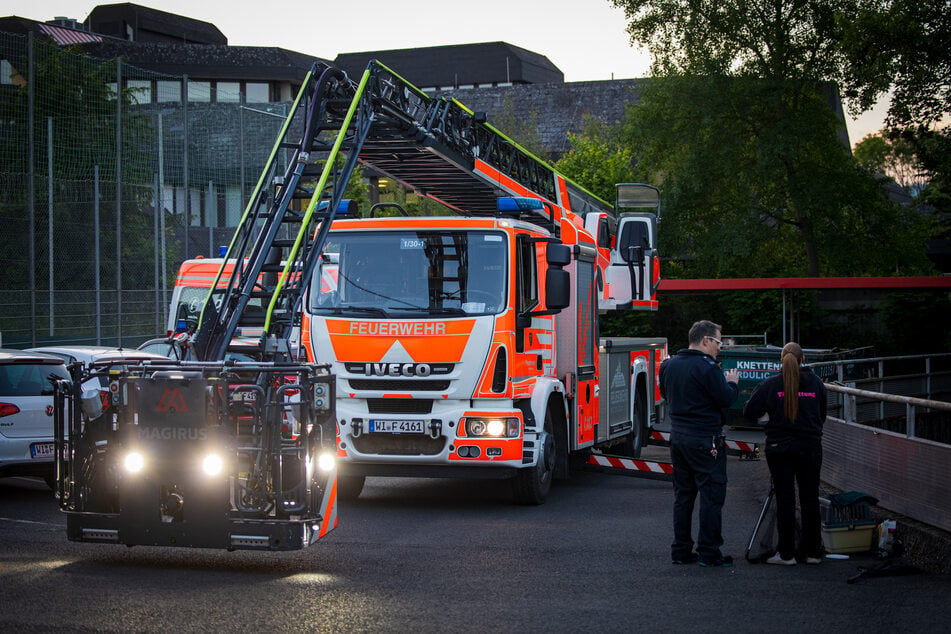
[{"x": 701, "y": 329}]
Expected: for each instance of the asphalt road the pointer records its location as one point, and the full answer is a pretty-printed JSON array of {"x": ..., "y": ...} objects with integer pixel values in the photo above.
[{"x": 453, "y": 556}]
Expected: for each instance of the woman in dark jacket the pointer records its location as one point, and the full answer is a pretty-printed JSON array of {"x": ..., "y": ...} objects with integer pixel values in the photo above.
[{"x": 795, "y": 400}]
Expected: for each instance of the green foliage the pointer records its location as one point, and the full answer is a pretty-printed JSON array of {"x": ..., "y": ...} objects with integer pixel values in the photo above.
[
  {"x": 774, "y": 41},
  {"x": 737, "y": 131},
  {"x": 892, "y": 156},
  {"x": 756, "y": 183},
  {"x": 75, "y": 128},
  {"x": 598, "y": 159},
  {"x": 901, "y": 47}
]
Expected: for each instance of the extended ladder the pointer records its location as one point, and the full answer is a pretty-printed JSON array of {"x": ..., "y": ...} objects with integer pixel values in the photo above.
[
  {"x": 435, "y": 146},
  {"x": 275, "y": 246}
]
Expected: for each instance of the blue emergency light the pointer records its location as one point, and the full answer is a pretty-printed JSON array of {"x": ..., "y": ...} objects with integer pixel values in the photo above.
[
  {"x": 518, "y": 205},
  {"x": 345, "y": 207}
]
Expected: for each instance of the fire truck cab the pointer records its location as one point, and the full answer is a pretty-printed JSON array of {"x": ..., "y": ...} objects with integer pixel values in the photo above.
[{"x": 469, "y": 346}]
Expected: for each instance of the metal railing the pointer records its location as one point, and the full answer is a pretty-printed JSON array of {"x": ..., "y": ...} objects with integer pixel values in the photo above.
[
  {"x": 893, "y": 393},
  {"x": 892, "y": 441},
  {"x": 910, "y": 403}
]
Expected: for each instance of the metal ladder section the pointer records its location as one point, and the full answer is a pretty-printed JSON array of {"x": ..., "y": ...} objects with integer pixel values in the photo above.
[
  {"x": 428, "y": 144},
  {"x": 278, "y": 239}
]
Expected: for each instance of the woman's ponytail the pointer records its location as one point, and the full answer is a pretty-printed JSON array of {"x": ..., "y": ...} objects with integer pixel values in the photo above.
[{"x": 791, "y": 359}]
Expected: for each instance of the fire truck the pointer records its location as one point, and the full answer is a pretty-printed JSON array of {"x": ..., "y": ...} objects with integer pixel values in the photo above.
[
  {"x": 467, "y": 345},
  {"x": 463, "y": 345}
]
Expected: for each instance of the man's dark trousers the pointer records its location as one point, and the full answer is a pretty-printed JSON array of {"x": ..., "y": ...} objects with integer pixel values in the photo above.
[{"x": 697, "y": 470}]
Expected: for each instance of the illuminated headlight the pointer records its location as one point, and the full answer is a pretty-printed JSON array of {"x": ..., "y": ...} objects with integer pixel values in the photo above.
[
  {"x": 134, "y": 462},
  {"x": 212, "y": 464},
  {"x": 507, "y": 427},
  {"x": 326, "y": 461}
]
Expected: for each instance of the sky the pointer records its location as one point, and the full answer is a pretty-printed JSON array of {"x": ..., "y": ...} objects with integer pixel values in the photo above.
[{"x": 584, "y": 38}]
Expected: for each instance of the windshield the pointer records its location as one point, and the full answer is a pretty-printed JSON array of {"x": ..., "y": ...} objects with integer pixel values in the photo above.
[{"x": 418, "y": 272}]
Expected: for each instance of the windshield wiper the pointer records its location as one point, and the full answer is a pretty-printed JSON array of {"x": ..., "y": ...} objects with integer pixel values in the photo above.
[{"x": 370, "y": 310}]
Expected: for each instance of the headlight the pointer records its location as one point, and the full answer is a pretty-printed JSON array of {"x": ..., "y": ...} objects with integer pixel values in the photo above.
[
  {"x": 212, "y": 464},
  {"x": 134, "y": 462},
  {"x": 326, "y": 461},
  {"x": 503, "y": 427}
]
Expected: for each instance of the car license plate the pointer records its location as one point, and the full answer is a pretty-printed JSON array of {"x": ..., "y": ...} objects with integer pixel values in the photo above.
[
  {"x": 43, "y": 450},
  {"x": 396, "y": 426}
]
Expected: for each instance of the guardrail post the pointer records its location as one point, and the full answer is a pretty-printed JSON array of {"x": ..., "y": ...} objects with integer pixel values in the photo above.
[
  {"x": 909, "y": 420},
  {"x": 848, "y": 407}
]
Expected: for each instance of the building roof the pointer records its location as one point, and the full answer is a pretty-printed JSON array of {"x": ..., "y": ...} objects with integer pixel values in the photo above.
[
  {"x": 198, "y": 61},
  {"x": 485, "y": 64},
  {"x": 145, "y": 24},
  {"x": 208, "y": 61},
  {"x": 65, "y": 36}
]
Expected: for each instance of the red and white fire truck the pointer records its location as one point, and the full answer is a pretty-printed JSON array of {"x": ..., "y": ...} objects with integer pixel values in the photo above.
[{"x": 468, "y": 345}]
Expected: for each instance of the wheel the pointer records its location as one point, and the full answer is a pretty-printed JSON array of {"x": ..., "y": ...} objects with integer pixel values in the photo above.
[
  {"x": 349, "y": 486},
  {"x": 531, "y": 486}
]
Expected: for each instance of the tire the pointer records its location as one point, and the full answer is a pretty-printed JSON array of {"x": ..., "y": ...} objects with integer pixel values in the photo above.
[
  {"x": 349, "y": 487},
  {"x": 530, "y": 486}
]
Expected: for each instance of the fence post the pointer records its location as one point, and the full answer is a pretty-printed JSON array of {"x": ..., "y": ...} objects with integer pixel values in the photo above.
[
  {"x": 188, "y": 206},
  {"x": 119, "y": 201},
  {"x": 31, "y": 181},
  {"x": 96, "y": 252},
  {"x": 49, "y": 211},
  {"x": 155, "y": 241},
  {"x": 910, "y": 420},
  {"x": 161, "y": 205}
]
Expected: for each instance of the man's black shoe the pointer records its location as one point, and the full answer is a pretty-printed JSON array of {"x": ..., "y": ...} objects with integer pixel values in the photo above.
[
  {"x": 722, "y": 562},
  {"x": 692, "y": 558}
]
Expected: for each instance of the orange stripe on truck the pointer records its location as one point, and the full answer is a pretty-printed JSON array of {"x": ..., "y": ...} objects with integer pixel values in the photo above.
[{"x": 368, "y": 341}]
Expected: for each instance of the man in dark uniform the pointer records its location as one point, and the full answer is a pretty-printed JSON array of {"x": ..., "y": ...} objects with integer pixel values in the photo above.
[{"x": 697, "y": 391}]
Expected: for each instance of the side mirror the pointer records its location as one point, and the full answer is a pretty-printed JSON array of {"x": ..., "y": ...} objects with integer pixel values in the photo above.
[
  {"x": 557, "y": 279},
  {"x": 558, "y": 255},
  {"x": 557, "y": 289}
]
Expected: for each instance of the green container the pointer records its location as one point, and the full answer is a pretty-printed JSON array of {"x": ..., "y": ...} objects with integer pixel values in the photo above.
[{"x": 756, "y": 363}]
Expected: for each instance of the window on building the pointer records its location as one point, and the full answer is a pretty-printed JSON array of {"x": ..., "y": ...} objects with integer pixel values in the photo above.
[
  {"x": 228, "y": 92},
  {"x": 199, "y": 91},
  {"x": 168, "y": 91},
  {"x": 6, "y": 72},
  {"x": 139, "y": 91},
  {"x": 257, "y": 92}
]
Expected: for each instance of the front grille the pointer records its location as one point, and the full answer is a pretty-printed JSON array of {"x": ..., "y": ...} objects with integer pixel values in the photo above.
[
  {"x": 399, "y": 406},
  {"x": 399, "y": 444},
  {"x": 399, "y": 385}
]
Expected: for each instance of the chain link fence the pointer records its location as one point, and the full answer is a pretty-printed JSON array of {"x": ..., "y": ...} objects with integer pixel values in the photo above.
[{"x": 105, "y": 191}]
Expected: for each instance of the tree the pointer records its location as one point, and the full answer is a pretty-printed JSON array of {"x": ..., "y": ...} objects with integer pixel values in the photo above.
[
  {"x": 892, "y": 157},
  {"x": 737, "y": 128},
  {"x": 74, "y": 113},
  {"x": 597, "y": 159},
  {"x": 902, "y": 47}
]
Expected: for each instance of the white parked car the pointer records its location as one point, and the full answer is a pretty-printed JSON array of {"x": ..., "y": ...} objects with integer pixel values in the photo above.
[
  {"x": 26, "y": 413},
  {"x": 109, "y": 358}
]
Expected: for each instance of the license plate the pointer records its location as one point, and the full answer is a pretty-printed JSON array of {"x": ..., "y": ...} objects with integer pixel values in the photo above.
[
  {"x": 396, "y": 426},
  {"x": 43, "y": 450}
]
